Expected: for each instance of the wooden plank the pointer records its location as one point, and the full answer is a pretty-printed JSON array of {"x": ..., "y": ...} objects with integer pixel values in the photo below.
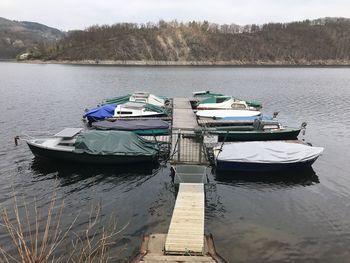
[{"x": 190, "y": 204}]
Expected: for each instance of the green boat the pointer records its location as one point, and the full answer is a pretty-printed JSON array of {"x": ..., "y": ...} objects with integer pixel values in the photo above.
[{"x": 261, "y": 130}]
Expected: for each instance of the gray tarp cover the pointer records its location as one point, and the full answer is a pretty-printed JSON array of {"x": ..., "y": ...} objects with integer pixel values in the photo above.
[
  {"x": 131, "y": 125},
  {"x": 114, "y": 143},
  {"x": 268, "y": 152}
]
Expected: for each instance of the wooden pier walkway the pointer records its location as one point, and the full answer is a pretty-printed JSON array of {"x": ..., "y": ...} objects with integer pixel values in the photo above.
[
  {"x": 186, "y": 231},
  {"x": 186, "y": 147},
  {"x": 185, "y": 241},
  {"x": 183, "y": 115}
]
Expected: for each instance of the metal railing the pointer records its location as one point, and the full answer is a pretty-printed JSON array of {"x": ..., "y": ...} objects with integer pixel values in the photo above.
[{"x": 188, "y": 147}]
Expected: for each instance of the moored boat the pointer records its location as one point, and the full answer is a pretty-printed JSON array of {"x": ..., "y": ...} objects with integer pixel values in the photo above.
[
  {"x": 224, "y": 102},
  {"x": 100, "y": 113},
  {"x": 209, "y": 97},
  {"x": 260, "y": 130},
  {"x": 95, "y": 147},
  {"x": 146, "y": 97},
  {"x": 232, "y": 121},
  {"x": 139, "y": 96},
  {"x": 138, "y": 109},
  {"x": 140, "y": 127},
  {"x": 128, "y": 109},
  {"x": 265, "y": 156},
  {"x": 218, "y": 114}
]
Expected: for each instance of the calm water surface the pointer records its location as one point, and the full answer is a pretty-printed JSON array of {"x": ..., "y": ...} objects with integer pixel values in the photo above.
[{"x": 287, "y": 218}]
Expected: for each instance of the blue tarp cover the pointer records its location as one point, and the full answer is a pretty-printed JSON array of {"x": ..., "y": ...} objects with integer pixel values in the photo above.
[{"x": 102, "y": 112}]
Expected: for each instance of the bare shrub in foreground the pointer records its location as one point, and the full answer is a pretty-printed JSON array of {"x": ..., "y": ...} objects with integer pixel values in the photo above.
[{"x": 39, "y": 242}]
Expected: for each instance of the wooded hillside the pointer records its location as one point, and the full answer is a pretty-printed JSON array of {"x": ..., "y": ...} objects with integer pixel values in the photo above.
[
  {"x": 297, "y": 42},
  {"x": 20, "y": 36}
]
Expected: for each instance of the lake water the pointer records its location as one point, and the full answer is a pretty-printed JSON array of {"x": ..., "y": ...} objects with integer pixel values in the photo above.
[{"x": 295, "y": 218}]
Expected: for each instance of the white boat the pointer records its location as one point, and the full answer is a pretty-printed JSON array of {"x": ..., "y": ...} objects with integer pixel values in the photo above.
[
  {"x": 224, "y": 102},
  {"x": 146, "y": 97},
  {"x": 265, "y": 156},
  {"x": 135, "y": 109},
  {"x": 218, "y": 114}
]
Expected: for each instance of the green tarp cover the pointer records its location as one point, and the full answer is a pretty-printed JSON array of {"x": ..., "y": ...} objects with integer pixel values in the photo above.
[
  {"x": 254, "y": 103},
  {"x": 117, "y": 100},
  {"x": 114, "y": 143},
  {"x": 213, "y": 99}
]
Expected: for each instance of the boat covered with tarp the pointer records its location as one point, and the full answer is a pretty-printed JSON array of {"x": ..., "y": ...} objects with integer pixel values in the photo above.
[
  {"x": 95, "y": 147},
  {"x": 126, "y": 110},
  {"x": 139, "y": 96},
  {"x": 265, "y": 156},
  {"x": 259, "y": 130},
  {"x": 139, "y": 109},
  {"x": 100, "y": 113},
  {"x": 141, "y": 127}
]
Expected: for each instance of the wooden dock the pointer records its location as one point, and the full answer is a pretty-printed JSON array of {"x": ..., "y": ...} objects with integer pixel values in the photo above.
[
  {"x": 185, "y": 240},
  {"x": 186, "y": 147},
  {"x": 183, "y": 115},
  {"x": 186, "y": 229}
]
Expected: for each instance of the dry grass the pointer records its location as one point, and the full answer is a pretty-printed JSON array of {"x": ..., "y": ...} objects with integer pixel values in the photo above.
[
  {"x": 40, "y": 241},
  {"x": 94, "y": 244}
]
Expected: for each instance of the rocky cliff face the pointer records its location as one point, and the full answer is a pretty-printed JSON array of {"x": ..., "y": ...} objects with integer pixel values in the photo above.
[{"x": 17, "y": 37}]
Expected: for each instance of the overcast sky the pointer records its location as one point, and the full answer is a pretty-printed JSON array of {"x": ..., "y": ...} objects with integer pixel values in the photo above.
[{"x": 79, "y": 14}]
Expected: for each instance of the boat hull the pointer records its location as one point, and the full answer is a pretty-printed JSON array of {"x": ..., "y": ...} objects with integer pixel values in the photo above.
[
  {"x": 262, "y": 167},
  {"x": 257, "y": 135},
  {"x": 226, "y": 113},
  {"x": 73, "y": 157}
]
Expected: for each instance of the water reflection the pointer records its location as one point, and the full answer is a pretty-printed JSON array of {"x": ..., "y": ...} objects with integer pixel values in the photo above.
[
  {"x": 71, "y": 173},
  {"x": 304, "y": 177}
]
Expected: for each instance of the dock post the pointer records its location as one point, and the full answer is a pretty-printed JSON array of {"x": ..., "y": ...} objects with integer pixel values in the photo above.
[
  {"x": 178, "y": 145},
  {"x": 200, "y": 151}
]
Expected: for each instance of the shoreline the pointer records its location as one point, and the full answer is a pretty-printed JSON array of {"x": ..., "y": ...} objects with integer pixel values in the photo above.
[{"x": 317, "y": 63}]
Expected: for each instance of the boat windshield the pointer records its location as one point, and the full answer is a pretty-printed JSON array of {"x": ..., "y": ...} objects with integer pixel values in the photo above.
[{"x": 219, "y": 100}]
